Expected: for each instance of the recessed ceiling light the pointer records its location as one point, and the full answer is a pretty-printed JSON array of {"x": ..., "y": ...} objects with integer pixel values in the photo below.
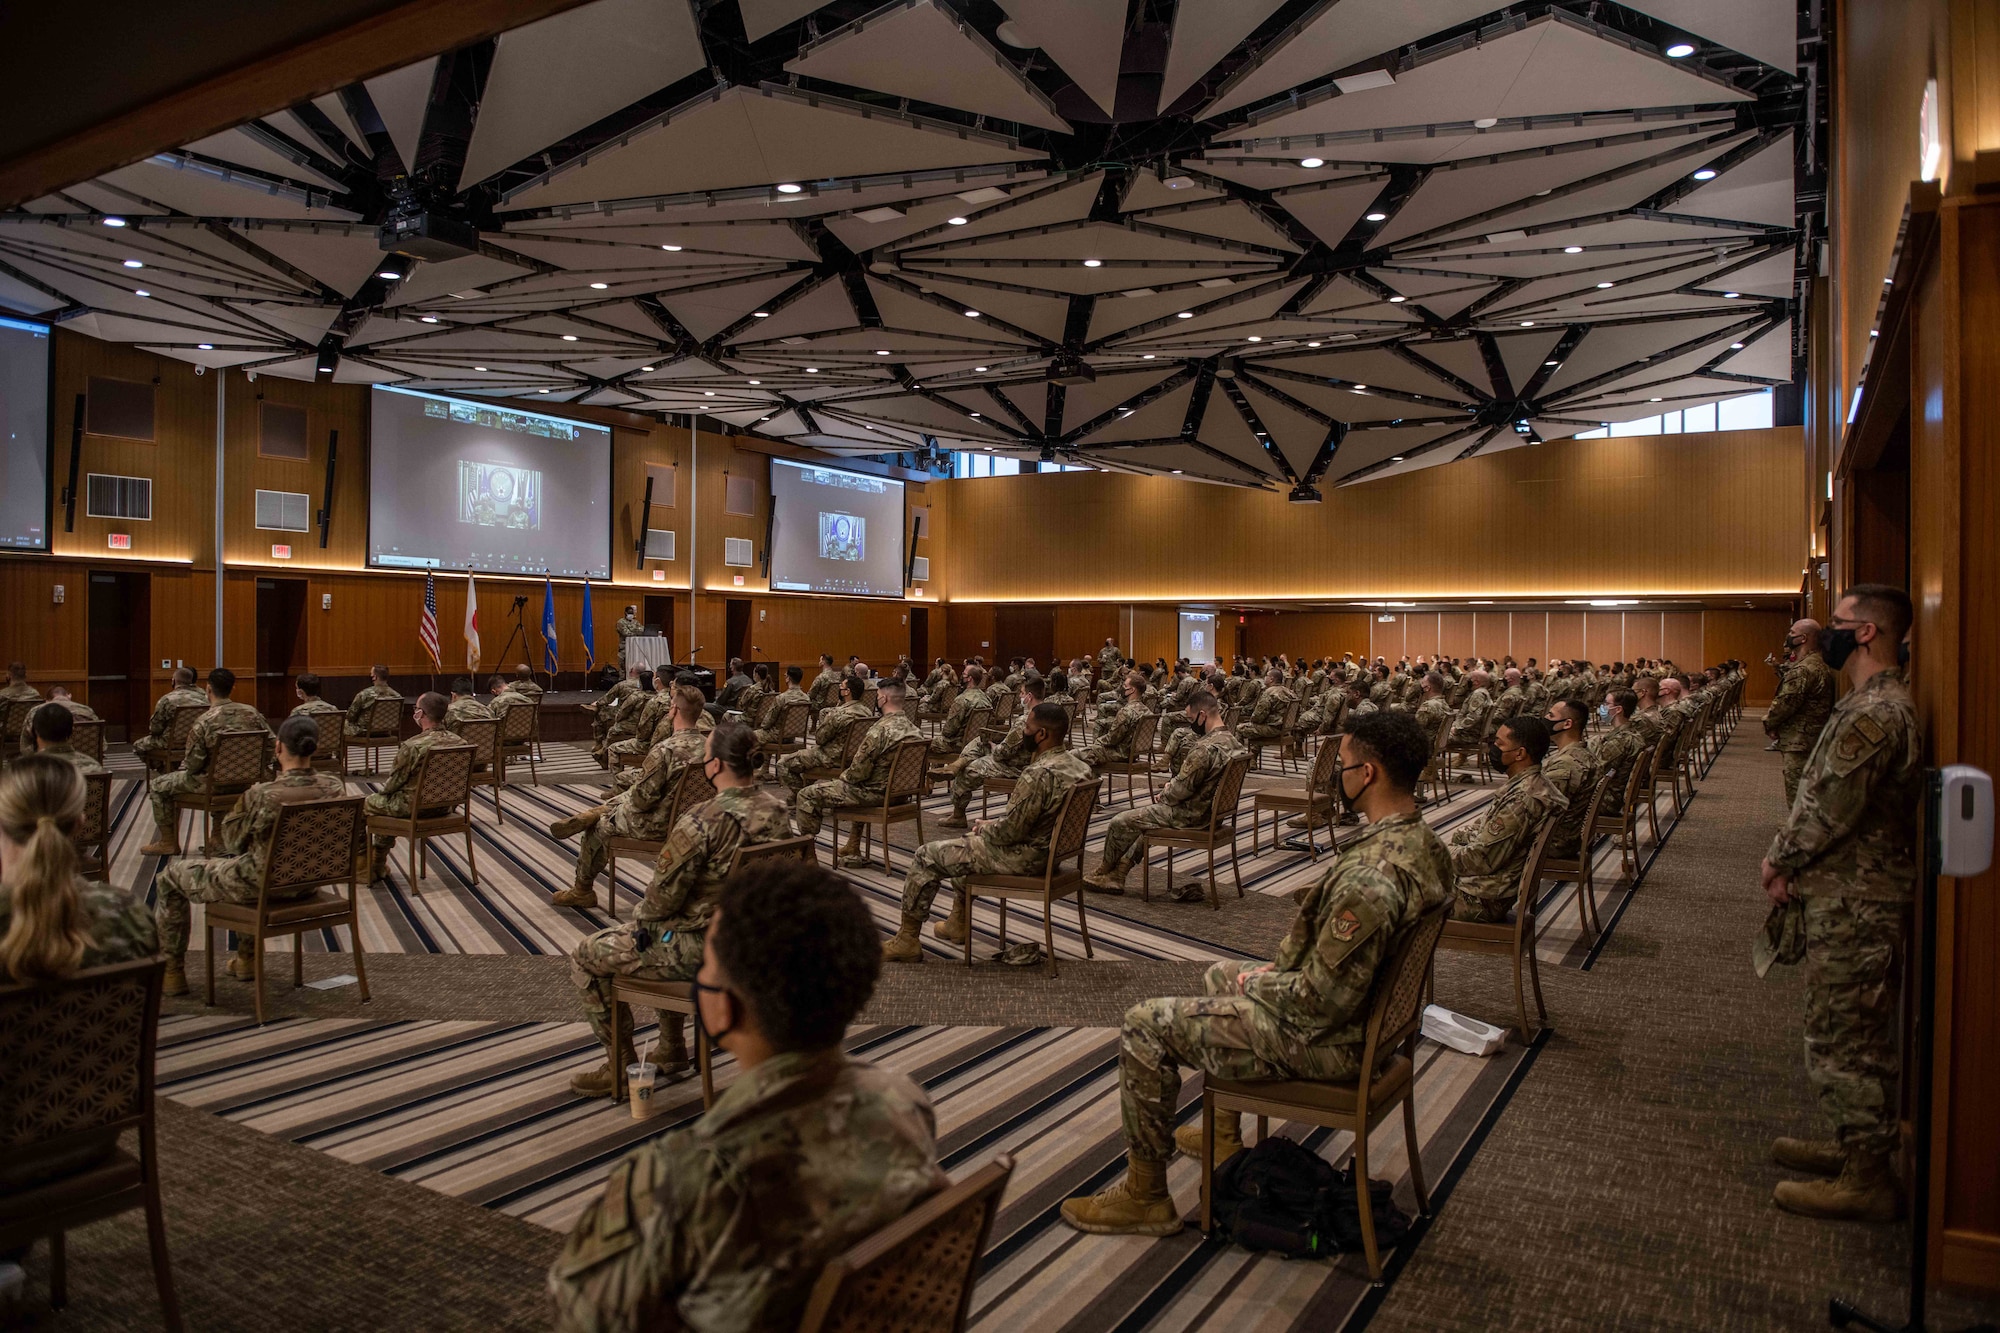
[
  {"x": 674, "y": 248},
  {"x": 975, "y": 414},
  {"x": 1312, "y": 344},
  {"x": 1705, "y": 174},
  {"x": 1185, "y": 314},
  {"x": 1680, "y": 50},
  {"x": 956, "y": 222},
  {"x": 645, "y": 370},
  {"x": 1376, "y": 217},
  {"x": 756, "y": 381},
  {"x": 812, "y": 370},
  {"x": 1874, "y": 333},
  {"x": 569, "y": 337},
  {"x": 141, "y": 292},
  {"x": 599, "y": 286},
  {"x": 1397, "y": 459},
  {"x": 1731, "y": 296},
  {"x": 326, "y": 370},
  {"x": 541, "y": 391},
  {"x": 204, "y": 347},
  {"x": 1255, "y": 339},
  {"x": 1485, "y": 122},
  {"x": 1146, "y": 357},
  {"x": 1527, "y": 323},
  {"x": 1177, "y": 472},
  {"x": 1551, "y": 363},
  {"x": 427, "y": 319},
  {"x": 114, "y": 222},
  {"x": 1656, "y": 400},
  {"x": 789, "y": 188},
  {"x": 979, "y": 370},
  {"x": 881, "y": 351},
  {"x": 133, "y": 263},
  {"x": 1093, "y": 263},
  {"x": 390, "y": 275},
  {"x": 1736, "y": 347},
  {"x": 479, "y": 367},
  {"x": 1311, "y": 162},
  {"x": 972, "y": 314},
  {"x": 1602, "y": 285},
  {"x": 1359, "y": 387},
  {"x": 760, "y": 314},
  {"x": 1572, "y": 249}
]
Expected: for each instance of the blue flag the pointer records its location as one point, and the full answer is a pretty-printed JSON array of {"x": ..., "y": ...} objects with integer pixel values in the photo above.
[
  {"x": 549, "y": 628},
  {"x": 589, "y": 631}
]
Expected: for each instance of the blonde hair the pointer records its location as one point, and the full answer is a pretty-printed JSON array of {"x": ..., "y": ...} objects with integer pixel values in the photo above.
[{"x": 41, "y": 804}]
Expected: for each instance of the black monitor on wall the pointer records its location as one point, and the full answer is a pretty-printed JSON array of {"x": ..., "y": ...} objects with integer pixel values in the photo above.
[{"x": 26, "y": 434}]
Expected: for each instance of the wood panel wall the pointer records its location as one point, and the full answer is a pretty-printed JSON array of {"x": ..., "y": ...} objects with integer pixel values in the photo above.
[
  {"x": 1311, "y": 633},
  {"x": 1682, "y": 515}
]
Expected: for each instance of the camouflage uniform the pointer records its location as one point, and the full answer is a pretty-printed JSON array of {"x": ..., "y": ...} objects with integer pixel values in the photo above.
[
  {"x": 1015, "y": 844},
  {"x": 750, "y": 703},
  {"x": 726, "y": 1224},
  {"x": 643, "y": 809},
  {"x": 1304, "y": 1014},
  {"x": 1796, "y": 716},
  {"x": 228, "y": 715},
  {"x": 663, "y": 940},
  {"x": 77, "y": 759},
  {"x": 1267, "y": 719},
  {"x": 80, "y": 712},
  {"x": 982, "y": 759},
  {"x": 1431, "y": 712},
  {"x": 468, "y": 708},
  {"x": 1109, "y": 659},
  {"x": 1618, "y": 750},
  {"x": 768, "y": 733},
  {"x": 237, "y": 875},
  {"x": 609, "y": 705},
  {"x": 1115, "y": 736},
  {"x": 1466, "y": 731},
  {"x": 313, "y": 707},
  {"x": 1512, "y": 703},
  {"x": 954, "y": 732},
  {"x": 1850, "y": 848},
  {"x": 825, "y": 689},
  {"x": 640, "y": 733},
  {"x": 148, "y": 746},
  {"x": 1573, "y": 771},
  {"x": 1652, "y": 724},
  {"x": 864, "y": 780},
  {"x": 626, "y": 627},
  {"x": 1488, "y": 855},
  {"x": 395, "y": 796},
  {"x": 828, "y": 743},
  {"x": 120, "y": 928},
  {"x": 1186, "y": 803},
  {"x": 357, "y": 708}
]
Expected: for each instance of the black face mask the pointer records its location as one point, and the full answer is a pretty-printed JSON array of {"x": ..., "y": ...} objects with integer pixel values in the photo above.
[
  {"x": 1903, "y": 653},
  {"x": 1493, "y": 753},
  {"x": 1837, "y": 645}
]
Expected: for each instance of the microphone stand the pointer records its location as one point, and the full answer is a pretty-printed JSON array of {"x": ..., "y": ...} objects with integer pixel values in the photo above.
[{"x": 519, "y": 631}]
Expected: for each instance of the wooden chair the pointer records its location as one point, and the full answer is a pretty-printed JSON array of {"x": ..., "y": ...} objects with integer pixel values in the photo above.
[
  {"x": 902, "y": 800},
  {"x": 677, "y": 997},
  {"x": 78, "y": 1057},
  {"x": 93, "y": 835},
  {"x": 1285, "y": 723},
  {"x": 1694, "y": 754},
  {"x": 174, "y": 753},
  {"x": 1625, "y": 826},
  {"x": 237, "y": 762},
  {"x": 1316, "y": 800},
  {"x": 1072, "y": 830},
  {"x": 313, "y": 844},
  {"x": 381, "y": 727},
  {"x": 1220, "y": 831},
  {"x": 483, "y": 735},
  {"x": 1473, "y": 749},
  {"x": 790, "y": 725},
  {"x": 1665, "y": 769},
  {"x": 87, "y": 737},
  {"x": 1141, "y": 762},
  {"x": 1514, "y": 938},
  {"x": 1579, "y": 871},
  {"x": 14, "y": 715},
  {"x": 330, "y": 756},
  {"x": 690, "y": 790},
  {"x": 1437, "y": 772},
  {"x": 442, "y": 785},
  {"x": 520, "y": 735},
  {"x": 1388, "y": 1079},
  {"x": 932, "y": 716},
  {"x": 916, "y": 1274},
  {"x": 1004, "y": 703},
  {"x": 975, "y": 725}
]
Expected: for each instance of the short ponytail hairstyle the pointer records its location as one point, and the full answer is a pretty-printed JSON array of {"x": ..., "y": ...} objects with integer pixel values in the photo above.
[{"x": 41, "y": 804}]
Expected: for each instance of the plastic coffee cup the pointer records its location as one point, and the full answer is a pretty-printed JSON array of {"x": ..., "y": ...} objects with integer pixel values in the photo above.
[{"x": 639, "y": 1077}]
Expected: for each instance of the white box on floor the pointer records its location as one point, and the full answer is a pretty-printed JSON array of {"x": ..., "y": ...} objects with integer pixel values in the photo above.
[{"x": 1460, "y": 1033}]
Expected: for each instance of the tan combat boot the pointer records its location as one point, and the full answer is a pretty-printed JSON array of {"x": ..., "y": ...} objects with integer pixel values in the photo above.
[
  {"x": 602, "y": 1081},
  {"x": 1865, "y": 1191},
  {"x": 164, "y": 843},
  {"x": 671, "y": 1054},
  {"x": 956, "y": 819},
  {"x": 1228, "y": 1138},
  {"x": 957, "y": 926},
  {"x": 1104, "y": 880},
  {"x": 1138, "y": 1205},
  {"x": 244, "y": 965},
  {"x": 850, "y": 855},
  {"x": 575, "y": 824},
  {"x": 175, "y": 981},
  {"x": 1821, "y": 1157},
  {"x": 575, "y": 897},
  {"x": 906, "y": 946}
]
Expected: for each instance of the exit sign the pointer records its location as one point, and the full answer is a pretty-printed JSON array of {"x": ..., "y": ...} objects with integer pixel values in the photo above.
[
  {"x": 281, "y": 553},
  {"x": 119, "y": 541}
]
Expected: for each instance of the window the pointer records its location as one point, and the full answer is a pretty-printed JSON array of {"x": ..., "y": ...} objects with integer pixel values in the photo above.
[
  {"x": 107, "y": 496},
  {"x": 737, "y": 551},
  {"x": 285, "y": 511},
  {"x": 1752, "y": 411},
  {"x": 281, "y": 432}
]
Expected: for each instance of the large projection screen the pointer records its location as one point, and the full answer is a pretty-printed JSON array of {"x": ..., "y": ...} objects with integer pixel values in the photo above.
[
  {"x": 454, "y": 484},
  {"x": 24, "y": 435},
  {"x": 1198, "y": 637},
  {"x": 835, "y": 532}
]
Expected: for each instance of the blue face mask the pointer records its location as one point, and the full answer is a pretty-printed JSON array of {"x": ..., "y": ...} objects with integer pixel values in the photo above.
[{"x": 1604, "y": 712}]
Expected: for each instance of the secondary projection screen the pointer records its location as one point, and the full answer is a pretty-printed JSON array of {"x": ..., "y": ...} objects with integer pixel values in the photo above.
[
  {"x": 24, "y": 435},
  {"x": 455, "y": 484},
  {"x": 1198, "y": 637},
  {"x": 835, "y": 532}
]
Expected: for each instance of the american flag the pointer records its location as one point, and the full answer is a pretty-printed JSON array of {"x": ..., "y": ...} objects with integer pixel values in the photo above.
[{"x": 427, "y": 627}]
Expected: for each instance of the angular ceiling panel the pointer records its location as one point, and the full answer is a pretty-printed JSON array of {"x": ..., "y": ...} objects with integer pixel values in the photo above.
[
  {"x": 1085, "y": 37},
  {"x": 401, "y": 98},
  {"x": 1204, "y": 32},
  {"x": 1334, "y": 35},
  {"x": 1765, "y": 29}
]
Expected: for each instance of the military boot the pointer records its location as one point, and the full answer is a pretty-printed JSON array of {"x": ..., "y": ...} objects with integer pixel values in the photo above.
[
  {"x": 573, "y": 896},
  {"x": 1138, "y": 1205},
  {"x": 906, "y": 946},
  {"x": 1104, "y": 880},
  {"x": 244, "y": 965},
  {"x": 603, "y": 1081},
  {"x": 378, "y": 862},
  {"x": 1865, "y": 1191},
  {"x": 850, "y": 855},
  {"x": 575, "y": 824},
  {"x": 164, "y": 843},
  {"x": 958, "y": 925},
  {"x": 175, "y": 981},
  {"x": 956, "y": 819},
  {"x": 1821, "y": 1157},
  {"x": 1228, "y": 1138},
  {"x": 671, "y": 1054}
]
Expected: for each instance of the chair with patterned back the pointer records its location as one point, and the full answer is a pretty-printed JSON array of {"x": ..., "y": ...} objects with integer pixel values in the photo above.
[
  {"x": 87, "y": 737},
  {"x": 1514, "y": 938},
  {"x": 331, "y": 754},
  {"x": 1387, "y": 1079},
  {"x": 381, "y": 728},
  {"x": 1220, "y": 831},
  {"x": 440, "y": 803},
  {"x": 180, "y": 726},
  {"x": 931, "y": 716},
  {"x": 313, "y": 844},
  {"x": 915, "y": 1275},
  {"x": 1052, "y": 884},
  {"x": 1470, "y": 743},
  {"x": 78, "y": 1059},
  {"x": 1665, "y": 770},
  {"x": 93, "y": 834},
  {"x": 1580, "y": 870},
  {"x": 1004, "y": 702},
  {"x": 789, "y": 723},
  {"x": 850, "y": 745},
  {"x": 483, "y": 735},
  {"x": 237, "y": 762},
  {"x": 14, "y": 715},
  {"x": 1315, "y": 801},
  {"x": 520, "y": 732},
  {"x": 691, "y": 788},
  {"x": 902, "y": 800},
  {"x": 1140, "y": 762}
]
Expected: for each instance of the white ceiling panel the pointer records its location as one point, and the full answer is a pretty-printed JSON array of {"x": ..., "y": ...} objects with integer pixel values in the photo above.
[
  {"x": 761, "y": 18},
  {"x": 1757, "y": 190},
  {"x": 1204, "y": 32},
  {"x": 1767, "y": 30},
  {"x": 1336, "y": 34},
  {"x": 1085, "y": 37},
  {"x": 401, "y": 98}
]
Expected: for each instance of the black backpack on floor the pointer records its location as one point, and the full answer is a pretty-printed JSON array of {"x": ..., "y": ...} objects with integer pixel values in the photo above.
[{"x": 1281, "y": 1197}]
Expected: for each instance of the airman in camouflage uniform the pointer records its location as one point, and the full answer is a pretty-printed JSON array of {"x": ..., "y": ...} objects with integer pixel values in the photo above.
[
  {"x": 1467, "y": 729},
  {"x": 1488, "y": 855},
  {"x": 606, "y": 711},
  {"x": 647, "y": 721},
  {"x": 1804, "y": 702},
  {"x": 663, "y": 941},
  {"x": 183, "y": 695},
  {"x": 225, "y": 715},
  {"x": 119, "y": 927},
  {"x": 957, "y": 729},
  {"x": 1302, "y": 1015},
  {"x": 828, "y": 743},
  {"x": 1116, "y": 734},
  {"x": 237, "y": 874},
  {"x": 394, "y": 797},
  {"x": 60, "y": 698},
  {"x": 983, "y": 759},
  {"x": 627, "y": 626},
  {"x": 18, "y": 690},
  {"x": 1017, "y": 843},
  {"x": 1433, "y": 709},
  {"x": 643, "y": 810},
  {"x": 1848, "y": 849},
  {"x": 357, "y": 708},
  {"x": 1618, "y": 750},
  {"x": 310, "y": 704},
  {"x": 825, "y": 686},
  {"x": 466, "y": 707},
  {"x": 1267, "y": 716},
  {"x": 864, "y": 781},
  {"x": 1573, "y": 771},
  {"x": 1186, "y": 803},
  {"x": 768, "y": 733},
  {"x": 69, "y": 754}
]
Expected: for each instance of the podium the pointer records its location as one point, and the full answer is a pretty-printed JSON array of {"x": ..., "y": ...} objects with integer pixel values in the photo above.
[{"x": 651, "y": 651}]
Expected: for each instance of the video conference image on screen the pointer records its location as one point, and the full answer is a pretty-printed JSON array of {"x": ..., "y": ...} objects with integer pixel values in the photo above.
[
  {"x": 456, "y": 484},
  {"x": 24, "y": 435},
  {"x": 835, "y": 531}
]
